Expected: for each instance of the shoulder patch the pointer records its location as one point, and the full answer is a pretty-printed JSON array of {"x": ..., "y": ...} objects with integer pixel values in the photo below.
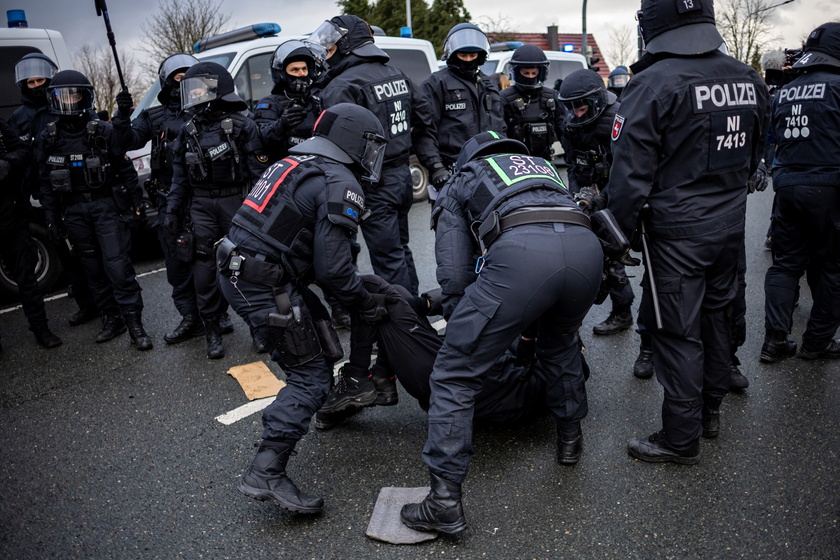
[
  {"x": 618, "y": 124},
  {"x": 261, "y": 106}
]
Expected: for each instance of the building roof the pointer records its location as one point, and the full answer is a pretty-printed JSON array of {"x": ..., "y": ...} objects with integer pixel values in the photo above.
[{"x": 541, "y": 40}]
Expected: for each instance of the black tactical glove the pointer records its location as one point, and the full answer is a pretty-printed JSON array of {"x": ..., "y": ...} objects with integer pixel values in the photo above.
[
  {"x": 758, "y": 181},
  {"x": 124, "y": 103},
  {"x": 377, "y": 312},
  {"x": 596, "y": 203},
  {"x": 292, "y": 116},
  {"x": 434, "y": 302},
  {"x": 439, "y": 177},
  {"x": 525, "y": 352},
  {"x": 55, "y": 230},
  {"x": 139, "y": 218},
  {"x": 170, "y": 222}
]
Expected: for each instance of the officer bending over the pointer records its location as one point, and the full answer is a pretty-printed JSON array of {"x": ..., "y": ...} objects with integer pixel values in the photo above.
[
  {"x": 89, "y": 187},
  {"x": 502, "y": 213},
  {"x": 294, "y": 228}
]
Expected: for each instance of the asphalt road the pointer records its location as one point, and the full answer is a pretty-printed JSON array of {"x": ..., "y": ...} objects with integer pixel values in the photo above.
[{"x": 110, "y": 453}]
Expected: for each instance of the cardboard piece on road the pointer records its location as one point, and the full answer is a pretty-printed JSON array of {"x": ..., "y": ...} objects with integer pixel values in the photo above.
[
  {"x": 256, "y": 380},
  {"x": 385, "y": 524}
]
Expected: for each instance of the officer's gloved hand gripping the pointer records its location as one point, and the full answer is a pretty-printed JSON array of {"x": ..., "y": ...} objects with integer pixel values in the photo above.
[{"x": 377, "y": 311}]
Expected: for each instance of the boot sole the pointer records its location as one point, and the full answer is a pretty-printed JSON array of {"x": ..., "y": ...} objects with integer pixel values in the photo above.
[
  {"x": 182, "y": 338},
  {"x": 611, "y": 331},
  {"x": 390, "y": 400},
  {"x": 367, "y": 399},
  {"x": 447, "y": 529},
  {"x": 674, "y": 459},
  {"x": 118, "y": 333},
  {"x": 264, "y": 495}
]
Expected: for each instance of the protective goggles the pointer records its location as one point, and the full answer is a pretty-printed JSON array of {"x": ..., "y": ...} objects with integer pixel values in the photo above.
[{"x": 196, "y": 90}]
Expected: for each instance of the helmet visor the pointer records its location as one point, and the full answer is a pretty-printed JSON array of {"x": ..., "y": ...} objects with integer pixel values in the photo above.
[
  {"x": 586, "y": 108},
  {"x": 196, "y": 90},
  {"x": 373, "y": 157},
  {"x": 325, "y": 37},
  {"x": 33, "y": 68},
  {"x": 618, "y": 81},
  {"x": 467, "y": 39},
  {"x": 175, "y": 64},
  {"x": 70, "y": 100}
]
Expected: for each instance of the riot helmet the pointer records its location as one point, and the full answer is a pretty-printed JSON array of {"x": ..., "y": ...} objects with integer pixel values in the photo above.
[
  {"x": 618, "y": 79},
  {"x": 528, "y": 57},
  {"x": 584, "y": 97},
  {"x": 206, "y": 85},
  {"x": 822, "y": 48},
  {"x": 677, "y": 27},
  {"x": 172, "y": 66},
  {"x": 348, "y": 34},
  {"x": 70, "y": 93},
  {"x": 486, "y": 144},
  {"x": 34, "y": 66},
  {"x": 466, "y": 38},
  {"x": 288, "y": 53},
  {"x": 349, "y": 134}
]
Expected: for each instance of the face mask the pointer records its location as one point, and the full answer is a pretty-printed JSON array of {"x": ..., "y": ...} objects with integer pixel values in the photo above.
[{"x": 298, "y": 84}]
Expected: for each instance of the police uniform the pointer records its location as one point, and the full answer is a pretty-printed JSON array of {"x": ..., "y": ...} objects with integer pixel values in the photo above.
[
  {"x": 160, "y": 125},
  {"x": 687, "y": 138},
  {"x": 294, "y": 228},
  {"x": 89, "y": 185},
  {"x": 513, "y": 212},
  {"x": 806, "y": 178},
  {"x": 533, "y": 117},
  {"x": 17, "y": 252},
  {"x": 217, "y": 157},
  {"x": 268, "y": 112},
  {"x": 359, "y": 74}
]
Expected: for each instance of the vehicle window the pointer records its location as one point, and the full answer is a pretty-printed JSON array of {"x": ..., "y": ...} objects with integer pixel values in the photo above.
[
  {"x": 253, "y": 81},
  {"x": 414, "y": 63},
  {"x": 489, "y": 67},
  {"x": 9, "y": 92}
]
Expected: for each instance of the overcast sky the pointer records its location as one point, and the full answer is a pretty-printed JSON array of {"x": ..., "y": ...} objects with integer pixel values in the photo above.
[{"x": 77, "y": 21}]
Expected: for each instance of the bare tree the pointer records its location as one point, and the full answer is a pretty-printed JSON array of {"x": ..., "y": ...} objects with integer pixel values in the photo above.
[
  {"x": 746, "y": 28},
  {"x": 500, "y": 27},
  {"x": 622, "y": 45},
  {"x": 176, "y": 25},
  {"x": 98, "y": 65}
]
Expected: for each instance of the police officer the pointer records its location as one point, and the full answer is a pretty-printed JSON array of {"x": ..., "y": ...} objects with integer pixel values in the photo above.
[
  {"x": 501, "y": 213},
  {"x": 617, "y": 80},
  {"x": 33, "y": 74},
  {"x": 806, "y": 178},
  {"x": 160, "y": 125},
  {"x": 295, "y": 228},
  {"x": 532, "y": 112},
  {"x": 17, "y": 251},
  {"x": 590, "y": 110},
  {"x": 89, "y": 187},
  {"x": 685, "y": 141},
  {"x": 455, "y": 103},
  {"x": 358, "y": 73},
  {"x": 217, "y": 156}
]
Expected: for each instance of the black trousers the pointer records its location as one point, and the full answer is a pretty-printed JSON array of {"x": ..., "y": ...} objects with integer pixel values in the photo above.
[
  {"x": 19, "y": 255},
  {"x": 101, "y": 237},
  {"x": 564, "y": 265},
  {"x": 211, "y": 219},
  {"x": 806, "y": 237},
  {"x": 695, "y": 279},
  {"x": 179, "y": 273}
]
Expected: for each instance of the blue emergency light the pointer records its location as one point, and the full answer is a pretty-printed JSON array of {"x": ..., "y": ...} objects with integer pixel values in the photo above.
[
  {"x": 405, "y": 32},
  {"x": 237, "y": 35},
  {"x": 568, "y": 47}
]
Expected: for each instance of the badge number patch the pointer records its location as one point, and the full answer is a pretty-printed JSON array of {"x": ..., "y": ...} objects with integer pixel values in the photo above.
[{"x": 618, "y": 124}]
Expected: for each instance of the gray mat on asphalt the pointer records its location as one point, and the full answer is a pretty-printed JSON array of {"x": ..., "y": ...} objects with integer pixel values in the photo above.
[{"x": 385, "y": 524}]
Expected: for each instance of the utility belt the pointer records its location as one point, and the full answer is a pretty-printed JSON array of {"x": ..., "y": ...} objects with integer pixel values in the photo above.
[
  {"x": 490, "y": 229},
  {"x": 201, "y": 192},
  {"x": 247, "y": 265},
  {"x": 87, "y": 196}
]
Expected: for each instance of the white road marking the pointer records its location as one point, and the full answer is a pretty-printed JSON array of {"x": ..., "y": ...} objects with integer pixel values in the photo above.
[{"x": 243, "y": 411}]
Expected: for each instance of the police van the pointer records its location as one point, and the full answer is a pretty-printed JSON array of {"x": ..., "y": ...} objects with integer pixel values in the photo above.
[
  {"x": 246, "y": 53},
  {"x": 15, "y": 43}
]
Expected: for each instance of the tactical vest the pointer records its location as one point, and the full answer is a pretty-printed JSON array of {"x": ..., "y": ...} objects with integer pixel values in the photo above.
[
  {"x": 591, "y": 149},
  {"x": 79, "y": 163},
  {"x": 164, "y": 131},
  {"x": 532, "y": 123},
  {"x": 389, "y": 98},
  {"x": 212, "y": 156}
]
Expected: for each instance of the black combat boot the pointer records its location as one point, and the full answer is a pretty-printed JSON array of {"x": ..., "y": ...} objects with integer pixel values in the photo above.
[
  {"x": 266, "y": 479},
  {"x": 569, "y": 442},
  {"x": 45, "y": 336},
  {"x": 352, "y": 390},
  {"x": 258, "y": 343},
  {"x": 83, "y": 315},
  {"x": 776, "y": 348},
  {"x": 112, "y": 327},
  {"x": 225, "y": 323},
  {"x": 711, "y": 417},
  {"x": 136, "y": 332},
  {"x": 643, "y": 368},
  {"x": 737, "y": 380},
  {"x": 213, "y": 334},
  {"x": 830, "y": 350},
  {"x": 386, "y": 387},
  {"x": 440, "y": 511},
  {"x": 189, "y": 327},
  {"x": 654, "y": 449},
  {"x": 617, "y": 321}
]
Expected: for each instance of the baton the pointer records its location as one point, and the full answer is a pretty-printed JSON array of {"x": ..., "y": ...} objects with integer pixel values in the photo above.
[
  {"x": 651, "y": 280},
  {"x": 102, "y": 10}
]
